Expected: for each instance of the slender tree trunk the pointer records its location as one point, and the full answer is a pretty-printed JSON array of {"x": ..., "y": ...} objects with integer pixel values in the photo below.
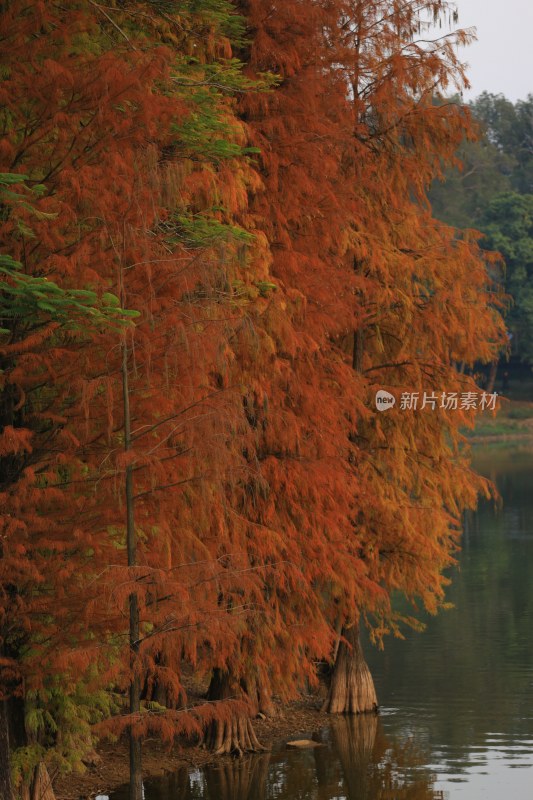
[
  {"x": 234, "y": 734},
  {"x": 492, "y": 377},
  {"x": 352, "y": 689},
  {"x": 131, "y": 538},
  {"x": 358, "y": 349},
  {"x": 265, "y": 703},
  {"x": 12, "y": 727},
  {"x": 6, "y": 791}
]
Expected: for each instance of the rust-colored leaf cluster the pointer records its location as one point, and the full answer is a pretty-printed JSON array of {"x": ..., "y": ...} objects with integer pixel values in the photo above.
[{"x": 268, "y": 223}]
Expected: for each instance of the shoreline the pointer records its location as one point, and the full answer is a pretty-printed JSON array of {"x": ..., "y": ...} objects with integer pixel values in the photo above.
[
  {"x": 502, "y": 438},
  {"x": 513, "y": 423},
  {"x": 291, "y": 721},
  {"x": 298, "y": 719}
]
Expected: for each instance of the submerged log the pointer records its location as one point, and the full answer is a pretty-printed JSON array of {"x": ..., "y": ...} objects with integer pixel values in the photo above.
[{"x": 303, "y": 743}]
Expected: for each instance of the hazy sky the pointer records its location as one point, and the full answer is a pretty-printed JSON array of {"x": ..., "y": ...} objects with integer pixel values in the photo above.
[{"x": 502, "y": 58}]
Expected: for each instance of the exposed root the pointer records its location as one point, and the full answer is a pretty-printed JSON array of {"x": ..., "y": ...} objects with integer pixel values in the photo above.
[
  {"x": 232, "y": 737},
  {"x": 40, "y": 787}
]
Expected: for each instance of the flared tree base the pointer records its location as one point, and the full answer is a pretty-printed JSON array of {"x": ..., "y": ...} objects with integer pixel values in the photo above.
[
  {"x": 234, "y": 735},
  {"x": 40, "y": 786},
  {"x": 352, "y": 689}
]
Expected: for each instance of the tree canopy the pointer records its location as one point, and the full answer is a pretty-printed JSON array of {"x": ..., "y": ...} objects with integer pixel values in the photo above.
[{"x": 217, "y": 246}]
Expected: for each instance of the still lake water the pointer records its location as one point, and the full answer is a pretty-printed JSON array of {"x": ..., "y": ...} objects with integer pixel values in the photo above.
[{"x": 457, "y": 700}]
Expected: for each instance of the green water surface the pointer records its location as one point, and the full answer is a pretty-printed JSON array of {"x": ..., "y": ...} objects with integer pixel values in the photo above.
[{"x": 457, "y": 700}]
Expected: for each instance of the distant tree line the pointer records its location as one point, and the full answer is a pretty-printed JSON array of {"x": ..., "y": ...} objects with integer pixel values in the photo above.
[{"x": 493, "y": 192}]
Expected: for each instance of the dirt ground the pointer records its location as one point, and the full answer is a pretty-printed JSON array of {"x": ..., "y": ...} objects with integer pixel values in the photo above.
[{"x": 291, "y": 721}]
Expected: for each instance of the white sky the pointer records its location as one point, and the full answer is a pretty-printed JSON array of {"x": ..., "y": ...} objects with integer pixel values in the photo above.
[{"x": 501, "y": 61}]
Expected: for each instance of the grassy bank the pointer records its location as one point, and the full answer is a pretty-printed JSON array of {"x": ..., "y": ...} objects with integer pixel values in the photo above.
[{"x": 514, "y": 420}]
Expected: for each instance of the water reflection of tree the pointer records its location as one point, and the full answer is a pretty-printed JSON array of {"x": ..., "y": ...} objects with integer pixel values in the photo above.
[
  {"x": 371, "y": 766},
  {"x": 356, "y": 761},
  {"x": 484, "y": 686},
  {"x": 238, "y": 779}
]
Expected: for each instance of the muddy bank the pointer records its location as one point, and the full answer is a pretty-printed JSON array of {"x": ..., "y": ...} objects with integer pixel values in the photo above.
[{"x": 292, "y": 721}]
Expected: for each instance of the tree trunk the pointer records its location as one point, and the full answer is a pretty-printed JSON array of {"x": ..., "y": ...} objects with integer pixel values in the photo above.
[
  {"x": 492, "y": 377},
  {"x": 358, "y": 346},
  {"x": 41, "y": 788},
  {"x": 6, "y": 791},
  {"x": 134, "y": 633},
  {"x": 260, "y": 697},
  {"x": 352, "y": 689},
  {"x": 235, "y": 734},
  {"x": 13, "y": 736},
  {"x": 154, "y": 689},
  {"x": 265, "y": 703},
  {"x": 358, "y": 350}
]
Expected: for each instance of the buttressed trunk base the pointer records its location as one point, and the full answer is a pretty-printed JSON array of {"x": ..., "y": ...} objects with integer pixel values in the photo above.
[
  {"x": 234, "y": 735},
  {"x": 352, "y": 689}
]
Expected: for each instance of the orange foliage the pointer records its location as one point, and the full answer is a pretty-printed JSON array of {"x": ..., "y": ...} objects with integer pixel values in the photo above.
[{"x": 271, "y": 499}]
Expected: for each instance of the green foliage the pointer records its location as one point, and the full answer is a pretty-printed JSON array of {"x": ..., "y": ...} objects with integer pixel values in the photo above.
[
  {"x": 208, "y": 132},
  {"x": 508, "y": 128},
  {"x": 508, "y": 225},
  {"x": 60, "y": 726},
  {"x": 500, "y": 162},
  {"x": 265, "y": 287},
  {"x": 203, "y": 230},
  {"x": 493, "y": 193},
  {"x": 520, "y": 412},
  {"x": 21, "y": 198},
  {"x": 32, "y": 300},
  {"x": 461, "y": 199},
  {"x": 218, "y": 13}
]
